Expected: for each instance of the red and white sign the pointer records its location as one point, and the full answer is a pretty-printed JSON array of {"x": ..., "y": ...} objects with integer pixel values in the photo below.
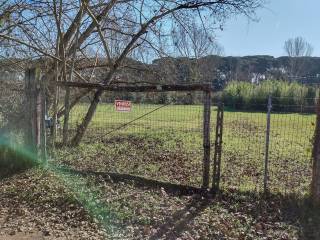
[{"x": 122, "y": 105}]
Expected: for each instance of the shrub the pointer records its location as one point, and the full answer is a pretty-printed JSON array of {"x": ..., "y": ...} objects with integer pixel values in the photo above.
[{"x": 285, "y": 96}]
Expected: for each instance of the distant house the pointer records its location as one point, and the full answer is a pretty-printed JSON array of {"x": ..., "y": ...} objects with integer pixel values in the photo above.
[{"x": 257, "y": 77}]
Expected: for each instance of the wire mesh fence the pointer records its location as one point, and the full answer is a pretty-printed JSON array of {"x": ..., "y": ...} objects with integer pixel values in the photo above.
[
  {"x": 12, "y": 110},
  {"x": 162, "y": 139},
  {"x": 158, "y": 140},
  {"x": 289, "y": 149},
  {"x": 243, "y": 150},
  {"x": 13, "y": 127}
]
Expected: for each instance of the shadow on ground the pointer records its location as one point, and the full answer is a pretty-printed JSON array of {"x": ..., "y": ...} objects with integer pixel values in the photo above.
[{"x": 290, "y": 209}]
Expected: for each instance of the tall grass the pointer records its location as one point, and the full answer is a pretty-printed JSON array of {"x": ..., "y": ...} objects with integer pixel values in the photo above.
[{"x": 248, "y": 96}]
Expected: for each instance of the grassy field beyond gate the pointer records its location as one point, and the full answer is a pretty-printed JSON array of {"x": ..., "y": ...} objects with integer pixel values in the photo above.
[{"x": 167, "y": 145}]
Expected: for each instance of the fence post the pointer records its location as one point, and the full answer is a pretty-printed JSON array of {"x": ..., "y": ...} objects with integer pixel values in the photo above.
[
  {"x": 315, "y": 183},
  {"x": 43, "y": 135},
  {"x": 32, "y": 79},
  {"x": 266, "y": 155},
  {"x": 206, "y": 139},
  {"x": 217, "y": 150}
]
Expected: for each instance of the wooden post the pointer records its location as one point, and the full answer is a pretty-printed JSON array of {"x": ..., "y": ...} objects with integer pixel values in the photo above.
[
  {"x": 315, "y": 185},
  {"x": 217, "y": 150},
  {"x": 266, "y": 155},
  {"x": 43, "y": 135},
  {"x": 206, "y": 139},
  {"x": 29, "y": 139},
  {"x": 32, "y": 78}
]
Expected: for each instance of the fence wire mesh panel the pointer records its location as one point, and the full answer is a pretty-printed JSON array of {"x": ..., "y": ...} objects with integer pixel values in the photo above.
[
  {"x": 289, "y": 149},
  {"x": 291, "y": 134},
  {"x": 13, "y": 128},
  {"x": 159, "y": 138},
  {"x": 243, "y": 150}
]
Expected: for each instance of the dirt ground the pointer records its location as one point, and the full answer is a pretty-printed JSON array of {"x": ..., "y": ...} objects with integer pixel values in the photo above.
[
  {"x": 40, "y": 204},
  {"x": 34, "y": 206}
]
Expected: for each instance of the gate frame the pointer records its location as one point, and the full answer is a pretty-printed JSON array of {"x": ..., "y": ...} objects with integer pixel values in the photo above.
[
  {"x": 206, "y": 88},
  {"x": 218, "y": 149}
]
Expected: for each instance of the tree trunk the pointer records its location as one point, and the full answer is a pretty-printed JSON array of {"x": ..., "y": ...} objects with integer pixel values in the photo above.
[
  {"x": 74, "y": 101},
  {"x": 85, "y": 123},
  {"x": 315, "y": 185},
  {"x": 93, "y": 106},
  {"x": 66, "y": 117}
]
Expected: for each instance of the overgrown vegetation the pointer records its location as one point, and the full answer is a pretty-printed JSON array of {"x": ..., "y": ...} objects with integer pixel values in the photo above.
[
  {"x": 156, "y": 98},
  {"x": 286, "y": 96},
  {"x": 237, "y": 95}
]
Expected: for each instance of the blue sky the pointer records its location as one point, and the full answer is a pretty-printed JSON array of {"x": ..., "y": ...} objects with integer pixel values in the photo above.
[{"x": 279, "y": 20}]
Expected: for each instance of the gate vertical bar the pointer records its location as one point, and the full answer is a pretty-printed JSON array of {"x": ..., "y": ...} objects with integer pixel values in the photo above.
[
  {"x": 217, "y": 150},
  {"x": 266, "y": 155},
  {"x": 206, "y": 139}
]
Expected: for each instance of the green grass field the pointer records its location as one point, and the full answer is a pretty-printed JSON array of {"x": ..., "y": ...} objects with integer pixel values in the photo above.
[{"x": 167, "y": 145}]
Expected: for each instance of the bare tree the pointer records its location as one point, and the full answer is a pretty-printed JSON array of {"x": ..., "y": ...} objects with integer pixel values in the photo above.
[
  {"x": 297, "y": 49},
  {"x": 112, "y": 30},
  {"x": 194, "y": 41}
]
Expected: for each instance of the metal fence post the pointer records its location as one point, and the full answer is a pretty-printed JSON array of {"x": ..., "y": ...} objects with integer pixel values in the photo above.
[
  {"x": 217, "y": 150},
  {"x": 206, "y": 139},
  {"x": 266, "y": 156}
]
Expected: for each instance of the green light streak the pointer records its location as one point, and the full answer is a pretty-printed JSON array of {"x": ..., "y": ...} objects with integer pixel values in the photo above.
[{"x": 87, "y": 196}]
